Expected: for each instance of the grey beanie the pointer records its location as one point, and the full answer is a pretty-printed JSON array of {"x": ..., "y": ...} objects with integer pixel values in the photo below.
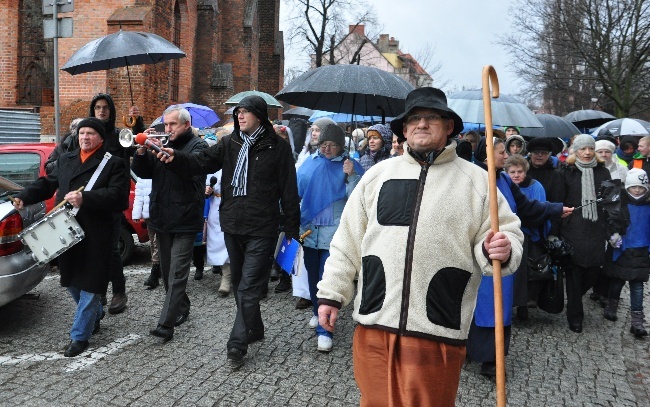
[
  {"x": 332, "y": 132},
  {"x": 583, "y": 140},
  {"x": 323, "y": 121}
]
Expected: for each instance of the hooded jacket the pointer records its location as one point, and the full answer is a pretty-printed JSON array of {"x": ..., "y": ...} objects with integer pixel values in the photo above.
[
  {"x": 513, "y": 138},
  {"x": 271, "y": 178},
  {"x": 419, "y": 258}
]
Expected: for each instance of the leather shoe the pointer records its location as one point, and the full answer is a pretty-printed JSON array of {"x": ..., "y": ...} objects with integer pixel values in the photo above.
[
  {"x": 216, "y": 269},
  {"x": 252, "y": 338},
  {"x": 118, "y": 303},
  {"x": 75, "y": 348},
  {"x": 198, "y": 275},
  {"x": 96, "y": 328},
  {"x": 303, "y": 303},
  {"x": 275, "y": 273},
  {"x": 489, "y": 369},
  {"x": 283, "y": 286},
  {"x": 236, "y": 358},
  {"x": 575, "y": 327},
  {"x": 162, "y": 331},
  {"x": 181, "y": 318}
]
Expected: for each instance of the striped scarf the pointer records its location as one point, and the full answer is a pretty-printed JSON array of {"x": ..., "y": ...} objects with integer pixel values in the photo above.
[{"x": 241, "y": 169}]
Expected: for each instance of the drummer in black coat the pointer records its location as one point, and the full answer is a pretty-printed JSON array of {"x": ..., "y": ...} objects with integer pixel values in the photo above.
[{"x": 85, "y": 267}]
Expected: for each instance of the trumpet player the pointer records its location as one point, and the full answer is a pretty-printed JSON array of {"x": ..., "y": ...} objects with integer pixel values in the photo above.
[{"x": 175, "y": 214}]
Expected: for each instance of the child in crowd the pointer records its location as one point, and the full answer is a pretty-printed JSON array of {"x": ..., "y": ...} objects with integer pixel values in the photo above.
[{"x": 627, "y": 258}]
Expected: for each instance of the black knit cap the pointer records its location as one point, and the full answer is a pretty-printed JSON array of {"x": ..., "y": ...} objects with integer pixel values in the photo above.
[{"x": 93, "y": 123}]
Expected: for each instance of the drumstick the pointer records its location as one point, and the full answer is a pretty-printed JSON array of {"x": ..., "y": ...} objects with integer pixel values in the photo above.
[{"x": 63, "y": 202}]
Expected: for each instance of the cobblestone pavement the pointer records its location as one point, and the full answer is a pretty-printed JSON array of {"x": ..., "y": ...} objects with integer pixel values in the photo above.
[{"x": 548, "y": 365}]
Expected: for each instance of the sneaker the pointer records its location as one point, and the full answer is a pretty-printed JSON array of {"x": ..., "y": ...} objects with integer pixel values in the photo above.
[
  {"x": 324, "y": 343},
  {"x": 313, "y": 322}
]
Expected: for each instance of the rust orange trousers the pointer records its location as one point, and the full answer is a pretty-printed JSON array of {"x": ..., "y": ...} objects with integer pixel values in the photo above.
[{"x": 401, "y": 371}]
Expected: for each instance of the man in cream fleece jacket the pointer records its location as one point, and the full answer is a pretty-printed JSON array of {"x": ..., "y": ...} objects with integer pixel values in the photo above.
[{"x": 417, "y": 231}]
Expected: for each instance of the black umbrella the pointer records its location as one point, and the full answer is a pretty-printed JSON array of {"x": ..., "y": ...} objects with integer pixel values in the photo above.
[
  {"x": 554, "y": 126},
  {"x": 122, "y": 49},
  {"x": 300, "y": 112},
  {"x": 355, "y": 89},
  {"x": 589, "y": 118}
]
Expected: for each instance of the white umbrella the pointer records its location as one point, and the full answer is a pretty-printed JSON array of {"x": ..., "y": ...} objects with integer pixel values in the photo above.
[{"x": 624, "y": 127}]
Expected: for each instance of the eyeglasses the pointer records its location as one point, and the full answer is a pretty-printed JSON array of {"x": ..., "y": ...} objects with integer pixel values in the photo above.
[
  {"x": 102, "y": 107},
  {"x": 325, "y": 146},
  {"x": 538, "y": 152},
  {"x": 429, "y": 118},
  {"x": 241, "y": 111}
]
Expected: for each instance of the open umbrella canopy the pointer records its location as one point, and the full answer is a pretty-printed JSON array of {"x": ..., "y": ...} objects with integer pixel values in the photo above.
[
  {"x": 346, "y": 117},
  {"x": 624, "y": 127},
  {"x": 270, "y": 100},
  {"x": 506, "y": 110},
  {"x": 299, "y": 112},
  {"x": 357, "y": 89},
  {"x": 589, "y": 118},
  {"x": 120, "y": 49},
  {"x": 202, "y": 116},
  {"x": 554, "y": 126}
]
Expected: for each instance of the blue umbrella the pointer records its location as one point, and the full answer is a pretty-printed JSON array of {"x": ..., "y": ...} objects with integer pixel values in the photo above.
[
  {"x": 202, "y": 116},
  {"x": 346, "y": 117}
]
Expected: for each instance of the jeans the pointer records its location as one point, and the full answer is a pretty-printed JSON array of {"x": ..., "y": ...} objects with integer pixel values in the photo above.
[
  {"x": 636, "y": 292},
  {"x": 175, "y": 251},
  {"x": 315, "y": 265},
  {"x": 250, "y": 265},
  {"x": 89, "y": 310}
]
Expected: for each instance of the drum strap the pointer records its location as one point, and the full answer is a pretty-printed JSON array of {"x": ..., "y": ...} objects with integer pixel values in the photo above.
[{"x": 94, "y": 177}]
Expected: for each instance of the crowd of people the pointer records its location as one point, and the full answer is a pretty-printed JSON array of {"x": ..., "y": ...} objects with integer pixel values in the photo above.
[{"x": 393, "y": 217}]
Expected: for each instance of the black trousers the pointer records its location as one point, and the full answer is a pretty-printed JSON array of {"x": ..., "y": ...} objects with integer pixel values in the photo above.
[
  {"x": 118, "y": 281},
  {"x": 250, "y": 265},
  {"x": 175, "y": 257},
  {"x": 578, "y": 281}
]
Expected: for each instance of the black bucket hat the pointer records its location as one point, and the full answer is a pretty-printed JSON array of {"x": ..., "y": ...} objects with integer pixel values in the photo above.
[{"x": 428, "y": 98}]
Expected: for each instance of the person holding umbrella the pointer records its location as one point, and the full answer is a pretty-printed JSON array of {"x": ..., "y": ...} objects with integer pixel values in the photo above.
[
  {"x": 325, "y": 182},
  {"x": 419, "y": 260}
]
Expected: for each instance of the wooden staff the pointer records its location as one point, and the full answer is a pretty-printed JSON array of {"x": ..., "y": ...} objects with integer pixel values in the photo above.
[
  {"x": 490, "y": 75},
  {"x": 63, "y": 202}
]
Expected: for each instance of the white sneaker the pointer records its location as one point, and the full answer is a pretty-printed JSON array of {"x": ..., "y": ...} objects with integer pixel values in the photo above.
[
  {"x": 324, "y": 343},
  {"x": 313, "y": 322}
]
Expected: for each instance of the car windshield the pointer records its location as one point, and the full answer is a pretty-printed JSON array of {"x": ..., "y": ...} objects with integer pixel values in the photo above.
[{"x": 21, "y": 168}]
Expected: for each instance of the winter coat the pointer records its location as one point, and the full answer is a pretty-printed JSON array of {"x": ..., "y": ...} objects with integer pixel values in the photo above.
[
  {"x": 176, "y": 201},
  {"x": 631, "y": 262},
  {"x": 86, "y": 264},
  {"x": 141, "y": 199},
  {"x": 271, "y": 179},
  {"x": 551, "y": 180},
  {"x": 419, "y": 259},
  {"x": 587, "y": 238}
]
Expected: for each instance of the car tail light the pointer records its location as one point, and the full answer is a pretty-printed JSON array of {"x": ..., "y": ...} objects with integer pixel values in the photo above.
[{"x": 9, "y": 229}]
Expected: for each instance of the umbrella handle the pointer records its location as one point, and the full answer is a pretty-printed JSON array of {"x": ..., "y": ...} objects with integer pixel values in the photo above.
[
  {"x": 129, "y": 121},
  {"x": 490, "y": 76}
]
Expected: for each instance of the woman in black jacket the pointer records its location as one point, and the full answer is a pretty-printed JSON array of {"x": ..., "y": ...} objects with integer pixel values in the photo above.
[{"x": 585, "y": 230}]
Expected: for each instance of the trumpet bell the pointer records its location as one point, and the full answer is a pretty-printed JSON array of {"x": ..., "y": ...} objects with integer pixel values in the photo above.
[{"x": 126, "y": 138}]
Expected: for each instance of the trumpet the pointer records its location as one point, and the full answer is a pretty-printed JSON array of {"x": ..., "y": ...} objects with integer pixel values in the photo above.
[{"x": 127, "y": 139}]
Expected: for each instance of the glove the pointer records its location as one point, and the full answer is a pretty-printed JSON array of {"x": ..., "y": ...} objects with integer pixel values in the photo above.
[{"x": 616, "y": 240}]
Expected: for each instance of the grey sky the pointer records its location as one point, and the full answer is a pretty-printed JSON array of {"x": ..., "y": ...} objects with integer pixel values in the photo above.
[{"x": 463, "y": 33}]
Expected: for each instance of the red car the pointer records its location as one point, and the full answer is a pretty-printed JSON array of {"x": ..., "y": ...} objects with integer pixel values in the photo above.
[{"x": 24, "y": 163}]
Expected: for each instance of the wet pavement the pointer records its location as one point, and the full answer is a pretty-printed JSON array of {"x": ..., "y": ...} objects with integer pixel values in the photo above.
[{"x": 548, "y": 365}]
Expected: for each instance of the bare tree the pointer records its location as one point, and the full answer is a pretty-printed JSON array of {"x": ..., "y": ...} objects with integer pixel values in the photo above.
[
  {"x": 578, "y": 53},
  {"x": 320, "y": 25}
]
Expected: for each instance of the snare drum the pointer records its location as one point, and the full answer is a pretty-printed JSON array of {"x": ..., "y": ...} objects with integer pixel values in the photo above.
[{"x": 52, "y": 235}]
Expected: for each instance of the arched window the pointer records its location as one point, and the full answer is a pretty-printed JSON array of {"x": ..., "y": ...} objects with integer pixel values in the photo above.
[{"x": 175, "y": 68}]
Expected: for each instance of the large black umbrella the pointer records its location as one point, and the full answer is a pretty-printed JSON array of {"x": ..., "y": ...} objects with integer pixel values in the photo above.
[
  {"x": 554, "y": 126},
  {"x": 300, "y": 112},
  {"x": 587, "y": 119},
  {"x": 122, "y": 49},
  {"x": 355, "y": 89}
]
